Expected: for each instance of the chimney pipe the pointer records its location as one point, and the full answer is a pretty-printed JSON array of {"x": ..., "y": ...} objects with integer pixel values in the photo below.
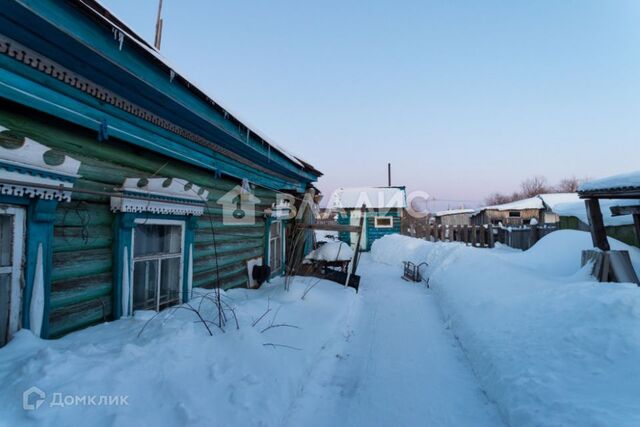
[{"x": 389, "y": 174}]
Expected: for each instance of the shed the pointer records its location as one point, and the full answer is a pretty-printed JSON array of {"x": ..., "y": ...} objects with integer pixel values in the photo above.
[
  {"x": 517, "y": 213},
  {"x": 383, "y": 210},
  {"x": 116, "y": 172},
  {"x": 454, "y": 217},
  {"x": 521, "y": 212},
  {"x": 610, "y": 201}
]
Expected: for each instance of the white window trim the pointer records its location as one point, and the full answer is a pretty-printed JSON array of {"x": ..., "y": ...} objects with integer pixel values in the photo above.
[
  {"x": 132, "y": 259},
  {"x": 375, "y": 219},
  {"x": 282, "y": 245},
  {"x": 16, "y": 266}
]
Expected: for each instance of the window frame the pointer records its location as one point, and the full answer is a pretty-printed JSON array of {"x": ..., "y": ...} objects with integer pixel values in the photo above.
[
  {"x": 376, "y": 218},
  {"x": 16, "y": 269},
  {"x": 276, "y": 270},
  {"x": 133, "y": 259}
]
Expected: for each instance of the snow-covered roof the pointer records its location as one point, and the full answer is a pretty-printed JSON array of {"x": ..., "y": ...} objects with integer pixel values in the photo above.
[
  {"x": 104, "y": 13},
  {"x": 371, "y": 197},
  {"x": 551, "y": 200},
  {"x": 454, "y": 212},
  {"x": 579, "y": 210},
  {"x": 518, "y": 205},
  {"x": 617, "y": 182}
]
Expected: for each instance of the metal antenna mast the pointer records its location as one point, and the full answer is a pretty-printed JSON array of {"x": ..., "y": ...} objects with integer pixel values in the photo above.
[{"x": 158, "y": 39}]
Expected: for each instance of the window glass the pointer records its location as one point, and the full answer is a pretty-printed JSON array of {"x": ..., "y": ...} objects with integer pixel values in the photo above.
[
  {"x": 6, "y": 240},
  {"x": 170, "y": 282},
  {"x": 145, "y": 281},
  {"x": 383, "y": 222},
  {"x": 275, "y": 246},
  {"x": 157, "y": 264},
  {"x": 153, "y": 239}
]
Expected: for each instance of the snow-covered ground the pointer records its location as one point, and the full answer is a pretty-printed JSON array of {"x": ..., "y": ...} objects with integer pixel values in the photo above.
[
  {"x": 382, "y": 357},
  {"x": 503, "y": 337},
  {"x": 549, "y": 345},
  {"x": 175, "y": 373}
]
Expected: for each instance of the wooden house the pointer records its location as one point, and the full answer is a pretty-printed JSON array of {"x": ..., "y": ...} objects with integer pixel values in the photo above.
[
  {"x": 383, "y": 209},
  {"x": 115, "y": 175},
  {"x": 522, "y": 212},
  {"x": 454, "y": 217}
]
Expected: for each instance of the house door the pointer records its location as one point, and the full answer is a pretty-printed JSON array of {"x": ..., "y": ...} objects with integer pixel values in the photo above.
[
  {"x": 354, "y": 219},
  {"x": 11, "y": 252}
]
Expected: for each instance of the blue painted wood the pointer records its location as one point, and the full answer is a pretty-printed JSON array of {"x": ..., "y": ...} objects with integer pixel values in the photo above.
[
  {"x": 98, "y": 47},
  {"x": 31, "y": 94}
]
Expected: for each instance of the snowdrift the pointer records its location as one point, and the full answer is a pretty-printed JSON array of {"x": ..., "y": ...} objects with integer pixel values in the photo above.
[
  {"x": 549, "y": 344},
  {"x": 175, "y": 373}
]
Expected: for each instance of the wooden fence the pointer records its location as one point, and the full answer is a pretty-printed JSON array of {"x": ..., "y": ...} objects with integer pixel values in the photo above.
[
  {"x": 522, "y": 237},
  {"x": 475, "y": 235},
  {"x": 483, "y": 236}
]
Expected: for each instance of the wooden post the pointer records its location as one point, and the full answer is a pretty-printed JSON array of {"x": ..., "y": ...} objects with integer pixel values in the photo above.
[
  {"x": 427, "y": 231},
  {"x": 636, "y": 225},
  {"x": 473, "y": 235},
  {"x": 356, "y": 255},
  {"x": 491, "y": 241},
  {"x": 465, "y": 234},
  {"x": 534, "y": 235},
  {"x": 598, "y": 232},
  {"x": 482, "y": 236}
]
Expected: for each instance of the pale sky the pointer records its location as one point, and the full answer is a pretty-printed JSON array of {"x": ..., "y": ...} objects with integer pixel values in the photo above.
[{"x": 464, "y": 98}]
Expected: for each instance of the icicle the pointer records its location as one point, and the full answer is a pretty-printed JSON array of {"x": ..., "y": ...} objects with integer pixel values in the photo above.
[
  {"x": 103, "y": 131},
  {"x": 118, "y": 36},
  {"x": 172, "y": 75},
  {"x": 269, "y": 153}
]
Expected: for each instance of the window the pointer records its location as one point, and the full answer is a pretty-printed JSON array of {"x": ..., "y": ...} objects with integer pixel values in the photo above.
[
  {"x": 514, "y": 214},
  {"x": 275, "y": 246},
  {"x": 383, "y": 222},
  {"x": 11, "y": 251},
  {"x": 157, "y": 265}
]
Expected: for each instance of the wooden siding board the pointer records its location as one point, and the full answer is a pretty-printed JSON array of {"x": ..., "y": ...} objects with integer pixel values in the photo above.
[{"x": 82, "y": 275}]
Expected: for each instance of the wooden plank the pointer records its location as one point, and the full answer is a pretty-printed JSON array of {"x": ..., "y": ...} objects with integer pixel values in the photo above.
[
  {"x": 625, "y": 210},
  {"x": 332, "y": 227},
  {"x": 636, "y": 226},
  {"x": 598, "y": 232},
  {"x": 491, "y": 239}
]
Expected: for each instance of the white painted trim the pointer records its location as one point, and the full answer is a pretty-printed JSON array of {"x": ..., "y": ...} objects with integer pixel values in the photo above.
[
  {"x": 375, "y": 222},
  {"x": 177, "y": 189},
  {"x": 131, "y": 258},
  {"x": 16, "y": 266},
  {"x": 31, "y": 155},
  {"x": 36, "y": 311},
  {"x": 126, "y": 283},
  {"x": 190, "y": 273}
]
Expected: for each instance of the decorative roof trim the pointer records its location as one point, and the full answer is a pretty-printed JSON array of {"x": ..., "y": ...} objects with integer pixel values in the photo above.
[
  {"x": 167, "y": 196},
  {"x": 26, "y": 167},
  {"x": 29, "y": 57}
]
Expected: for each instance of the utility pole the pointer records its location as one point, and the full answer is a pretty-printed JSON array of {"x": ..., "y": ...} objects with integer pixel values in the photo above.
[
  {"x": 389, "y": 174},
  {"x": 158, "y": 39}
]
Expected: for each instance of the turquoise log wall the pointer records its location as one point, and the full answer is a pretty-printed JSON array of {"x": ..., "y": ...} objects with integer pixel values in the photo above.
[{"x": 83, "y": 234}]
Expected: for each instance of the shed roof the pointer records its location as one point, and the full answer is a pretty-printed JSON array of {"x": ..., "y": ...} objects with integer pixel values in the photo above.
[
  {"x": 578, "y": 209},
  {"x": 371, "y": 197},
  {"x": 454, "y": 212},
  {"x": 615, "y": 185},
  {"x": 518, "y": 205}
]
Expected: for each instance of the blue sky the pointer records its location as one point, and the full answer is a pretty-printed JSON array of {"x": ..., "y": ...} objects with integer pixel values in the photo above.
[{"x": 464, "y": 98}]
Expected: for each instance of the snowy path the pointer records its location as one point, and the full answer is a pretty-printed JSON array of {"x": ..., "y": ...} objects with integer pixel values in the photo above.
[{"x": 397, "y": 364}]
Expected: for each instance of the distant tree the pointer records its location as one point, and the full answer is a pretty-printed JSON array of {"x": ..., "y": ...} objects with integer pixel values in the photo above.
[
  {"x": 533, "y": 186},
  {"x": 568, "y": 185},
  {"x": 499, "y": 198}
]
